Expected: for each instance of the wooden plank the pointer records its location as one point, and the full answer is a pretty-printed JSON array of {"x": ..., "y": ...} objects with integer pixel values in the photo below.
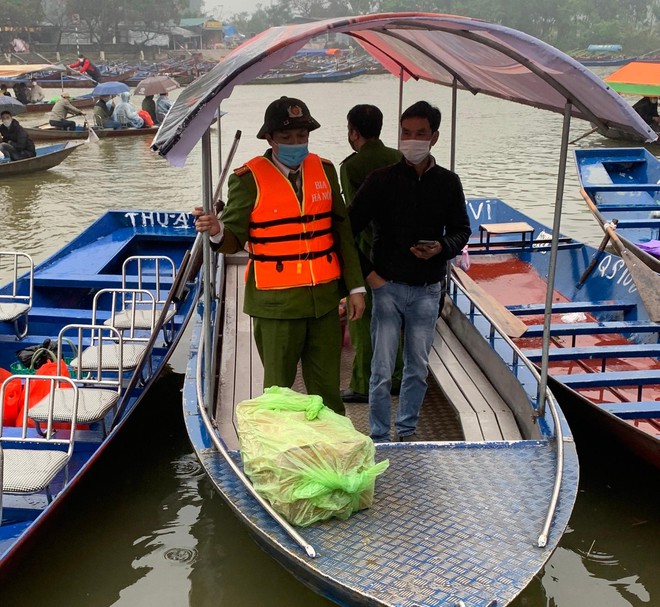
[
  {"x": 243, "y": 365},
  {"x": 478, "y": 389},
  {"x": 595, "y": 328},
  {"x": 623, "y": 187},
  {"x": 597, "y": 352},
  {"x": 507, "y": 322},
  {"x": 226, "y": 397},
  {"x": 467, "y": 415},
  {"x": 506, "y": 228},
  {"x": 564, "y": 307},
  {"x": 634, "y": 410},
  {"x": 610, "y": 379}
]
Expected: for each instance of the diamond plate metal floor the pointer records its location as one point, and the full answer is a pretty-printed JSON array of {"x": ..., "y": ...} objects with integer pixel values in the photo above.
[
  {"x": 437, "y": 421},
  {"x": 463, "y": 527}
]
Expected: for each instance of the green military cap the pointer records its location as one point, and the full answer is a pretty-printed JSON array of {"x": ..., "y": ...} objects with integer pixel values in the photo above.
[{"x": 286, "y": 113}]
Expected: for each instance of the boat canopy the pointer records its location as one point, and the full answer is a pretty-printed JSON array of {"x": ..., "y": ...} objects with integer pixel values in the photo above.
[
  {"x": 12, "y": 71},
  {"x": 474, "y": 55},
  {"x": 637, "y": 78}
]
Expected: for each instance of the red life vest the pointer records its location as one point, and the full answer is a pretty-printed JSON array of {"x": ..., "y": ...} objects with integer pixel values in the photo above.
[{"x": 290, "y": 242}]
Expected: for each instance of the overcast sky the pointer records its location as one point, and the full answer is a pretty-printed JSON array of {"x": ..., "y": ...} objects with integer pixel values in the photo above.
[{"x": 226, "y": 8}]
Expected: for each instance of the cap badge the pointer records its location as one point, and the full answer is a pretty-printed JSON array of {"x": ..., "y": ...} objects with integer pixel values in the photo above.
[{"x": 295, "y": 111}]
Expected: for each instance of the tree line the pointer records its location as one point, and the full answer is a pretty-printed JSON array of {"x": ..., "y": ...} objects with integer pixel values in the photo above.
[{"x": 566, "y": 24}]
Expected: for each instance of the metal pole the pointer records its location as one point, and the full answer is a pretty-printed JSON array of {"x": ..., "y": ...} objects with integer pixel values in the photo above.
[
  {"x": 207, "y": 202},
  {"x": 454, "y": 105},
  {"x": 400, "y": 107},
  {"x": 219, "y": 142},
  {"x": 556, "y": 225}
]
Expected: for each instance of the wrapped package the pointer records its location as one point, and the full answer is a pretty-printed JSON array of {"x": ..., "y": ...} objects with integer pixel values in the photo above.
[{"x": 307, "y": 461}]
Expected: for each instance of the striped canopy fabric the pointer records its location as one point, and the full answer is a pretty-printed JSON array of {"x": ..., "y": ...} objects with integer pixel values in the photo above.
[
  {"x": 480, "y": 57},
  {"x": 637, "y": 78}
]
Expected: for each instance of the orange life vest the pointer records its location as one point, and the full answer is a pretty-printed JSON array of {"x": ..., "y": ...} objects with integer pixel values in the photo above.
[{"x": 290, "y": 242}]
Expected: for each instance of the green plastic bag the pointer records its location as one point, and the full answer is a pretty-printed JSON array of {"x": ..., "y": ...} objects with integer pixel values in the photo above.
[{"x": 310, "y": 463}]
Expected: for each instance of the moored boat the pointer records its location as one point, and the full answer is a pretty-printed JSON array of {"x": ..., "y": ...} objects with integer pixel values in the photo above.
[
  {"x": 277, "y": 78},
  {"x": 604, "y": 359},
  {"x": 331, "y": 75},
  {"x": 47, "y": 157},
  {"x": 126, "y": 277},
  {"x": 621, "y": 186},
  {"x": 81, "y": 102},
  {"x": 414, "y": 536},
  {"x": 49, "y": 133}
]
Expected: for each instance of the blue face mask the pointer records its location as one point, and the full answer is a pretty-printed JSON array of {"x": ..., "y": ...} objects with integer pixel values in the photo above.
[{"x": 292, "y": 154}]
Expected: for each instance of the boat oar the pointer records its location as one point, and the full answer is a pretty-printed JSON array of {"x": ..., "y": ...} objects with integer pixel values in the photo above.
[
  {"x": 591, "y": 131},
  {"x": 92, "y": 137},
  {"x": 160, "y": 321},
  {"x": 646, "y": 280},
  {"x": 594, "y": 261}
]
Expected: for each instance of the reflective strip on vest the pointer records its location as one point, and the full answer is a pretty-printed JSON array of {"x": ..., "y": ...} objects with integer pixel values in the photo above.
[{"x": 290, "y": 242}]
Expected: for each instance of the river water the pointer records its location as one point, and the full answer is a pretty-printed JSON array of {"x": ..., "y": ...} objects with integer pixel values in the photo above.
[{"x": 146, "y": 528}]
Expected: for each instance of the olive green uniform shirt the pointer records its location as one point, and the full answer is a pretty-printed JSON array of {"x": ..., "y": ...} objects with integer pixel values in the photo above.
[
  {"x": 373, "y": 154},
  {"x": 294, "y": 302}
]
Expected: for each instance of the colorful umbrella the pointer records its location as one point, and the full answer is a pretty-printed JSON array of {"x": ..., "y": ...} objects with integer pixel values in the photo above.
[{"x": 155, "y": 85}]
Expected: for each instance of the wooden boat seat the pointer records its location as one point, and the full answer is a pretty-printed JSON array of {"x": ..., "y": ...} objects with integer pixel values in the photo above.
[
  {"x": 98, "y": 390},
  {"x": 623, "y": 187},
  {"x": 633, "y": 410},
  {"x": 610, "y": 379},
  {"x": 241, "y": 371},
  {"x": 498, "y": 229},
  {"x": 504, "y": 247},
  {"x": 15, "y": 305},
  {"x": 612, "y": 207},
  {"x": 594, "y": 328},
  {"x": 597, "y": 352},
  {"x": 650, "y": 222},
  {"x": 566, "y": 307},
  {"x": 31, "y": 462},
  {"x": 483, "y": 413}
]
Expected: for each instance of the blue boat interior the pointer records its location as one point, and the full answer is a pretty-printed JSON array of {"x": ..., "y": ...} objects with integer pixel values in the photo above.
[
  {"x": 66, "y": 290},
  {"x": 624, "y": 183}
]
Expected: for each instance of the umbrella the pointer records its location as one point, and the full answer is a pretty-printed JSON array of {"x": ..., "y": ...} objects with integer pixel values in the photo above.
[
  {"x": 110, "y": 88},
  {"x": 11, "y": 105},
  {"x": 156, "y": 85}
]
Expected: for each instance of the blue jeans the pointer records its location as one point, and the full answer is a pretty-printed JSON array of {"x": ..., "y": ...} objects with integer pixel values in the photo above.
[{"x": 414, "y": 309}]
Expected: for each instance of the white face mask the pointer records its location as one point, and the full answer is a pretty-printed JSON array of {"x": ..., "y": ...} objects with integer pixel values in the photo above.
[
  {"x": 415, "y": 150},
  {"x": 6, "y": 123}
]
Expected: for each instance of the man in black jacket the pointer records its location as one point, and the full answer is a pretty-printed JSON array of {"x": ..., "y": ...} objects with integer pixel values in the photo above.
[
  {"x": 15, "y": 141},
  {"x": 419, "y": 218}
]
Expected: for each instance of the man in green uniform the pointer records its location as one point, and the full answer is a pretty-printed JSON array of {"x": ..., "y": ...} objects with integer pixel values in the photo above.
[
  {"x": 364, "y": 125},
  {"x": 292, "y": 323}
]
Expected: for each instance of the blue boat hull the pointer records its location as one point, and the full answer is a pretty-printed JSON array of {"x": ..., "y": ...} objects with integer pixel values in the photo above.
[
  {"x": 609, "y": 281},
  {"x": 64, "y": 286},
  {"x": 450, "y": 522}
]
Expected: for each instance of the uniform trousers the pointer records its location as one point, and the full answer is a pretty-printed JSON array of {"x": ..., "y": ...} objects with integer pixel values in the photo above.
[
  {"x": 360, "y": 332},
  {"x": 315, "y": 342}
]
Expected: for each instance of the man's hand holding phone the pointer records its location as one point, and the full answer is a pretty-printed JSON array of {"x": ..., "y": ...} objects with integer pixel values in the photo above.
[{"x": 425, "y": 249}]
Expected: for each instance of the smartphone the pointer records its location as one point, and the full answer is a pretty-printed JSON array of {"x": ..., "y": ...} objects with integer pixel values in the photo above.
[{"x": 421, "y": 243}]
